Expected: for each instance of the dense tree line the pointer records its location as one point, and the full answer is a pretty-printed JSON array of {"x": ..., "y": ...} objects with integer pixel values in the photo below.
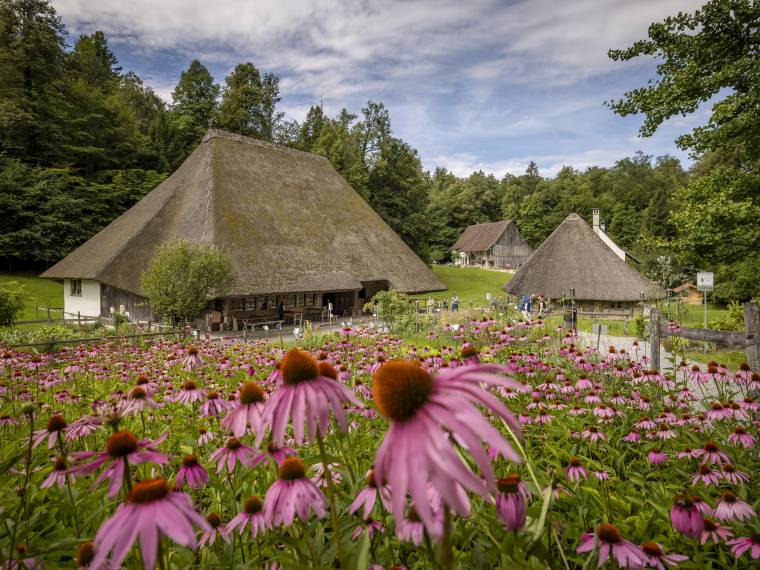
[{"x": 81, "y": 140}]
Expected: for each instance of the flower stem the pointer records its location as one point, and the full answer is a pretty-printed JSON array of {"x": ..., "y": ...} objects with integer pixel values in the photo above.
[
  {"x": 446, "y": 554},
  {"x": 331, "y": 498}
]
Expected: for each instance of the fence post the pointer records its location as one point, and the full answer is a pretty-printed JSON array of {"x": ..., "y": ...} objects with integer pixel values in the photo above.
[
  {"x": 48, "y": 310},
  {"x": 79, "y": 318},
  {"x": 654, "y": 338},
  {"x": 752, "y": 330}
]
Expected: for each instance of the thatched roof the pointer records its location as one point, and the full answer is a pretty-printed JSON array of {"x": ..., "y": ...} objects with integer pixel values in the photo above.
[
  {"x": 480, "y": 237},
  {"x": 573, "y": 256},
  {"x": 287, "y": 219}
]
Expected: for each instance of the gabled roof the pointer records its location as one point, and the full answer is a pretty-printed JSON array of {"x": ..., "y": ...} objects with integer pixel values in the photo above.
[
  {"x": 684, "y": 287},
  {"x": 480, "y": 237},
  {"x": 287, "y": 219},
  {"x": 574, "y": 257}
]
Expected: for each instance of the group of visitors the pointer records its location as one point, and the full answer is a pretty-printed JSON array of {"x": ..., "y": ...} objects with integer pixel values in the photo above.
[
  {"x": 444, "y": 304},
  {"x": 526, "y": 305}
]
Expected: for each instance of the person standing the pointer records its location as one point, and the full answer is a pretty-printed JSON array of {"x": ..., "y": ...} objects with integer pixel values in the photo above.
[{"x": 454, "y": 303}]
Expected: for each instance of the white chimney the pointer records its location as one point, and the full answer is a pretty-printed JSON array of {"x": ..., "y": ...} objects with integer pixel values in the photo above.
[{"x": 595, "y": 224}]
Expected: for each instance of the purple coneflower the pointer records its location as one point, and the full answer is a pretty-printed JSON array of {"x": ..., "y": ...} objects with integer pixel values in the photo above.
[
  {"x": 57, "y": 475},
  {"x": 711, "y": 453},
  {"x": 83, "y": 427},
  {"x": 714, "y": 531},
  {"x": 657, "y": 457},
  {"x": 205, "y": 436},
  {"x": 731, "y": 507},
  {"x": 192, "y": 472},
  {"x": 732, "y": 475},
  {"x": 122, "y": 447},
  {"x": 56, "y": 425},
  {"x": 366, "y": 498},
  {"x": 689, "y": 453},
  {"x": 656, "y": 558},
  {"x": 304, "y": 397},
  {"x": 706, "y": 475},
  {"x": 741, "y": 437},
  {"x": 292, "y": 494},
  {"x": 575, "y": 470},
  {"x": 423, "y": 410},
  {"x": 280, "y": 453},
  {"x": 214, "y": 405},
  {"x": 602, "y": 475},
  {"x": 152, "y": 510},
  {"x": 749, "y": 543},
  {"x": 193, "y": 359},
  {"x": 216, "y": 528},
  {"x": 686, "y": 517},
  {"x": 136, "y": 402},
  {"x": 247, "y": 415},
  {"x": 232, "y": 452},
  {"x": 511, "y": 499},
  {"x": 664, "y": 431},
  {"x": 370, "y": 526},
  {"x": 610, "y": 543},
  {"x": 252, "y": 514},
  {"x": 189, "y": 393},
  {"x": 412, "y": 528},
  {"x": 592, "y": 433},
  {"x": 632, "y": 437}
]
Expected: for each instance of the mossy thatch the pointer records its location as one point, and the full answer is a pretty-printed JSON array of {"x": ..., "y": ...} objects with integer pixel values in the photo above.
[
  {"x": 287, "y": 219},
  {"x": 574, "y": 257}
]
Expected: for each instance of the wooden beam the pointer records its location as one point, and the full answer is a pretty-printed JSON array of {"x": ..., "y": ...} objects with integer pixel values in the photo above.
[{"x": 752, "y": 335}]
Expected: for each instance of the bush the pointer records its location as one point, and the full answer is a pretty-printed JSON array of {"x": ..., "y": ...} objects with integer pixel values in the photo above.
[
  {"x": 395, "y": 310},
  {"x": 733, "y": 320},
  {"x": 11, "y": 302}
]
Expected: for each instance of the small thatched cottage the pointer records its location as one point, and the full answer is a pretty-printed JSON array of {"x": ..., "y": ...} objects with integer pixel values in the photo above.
[
  {"x": 575, "y": 258},
  {"x": 294, "y": 228},
  {"x": 495, "y": 244}
]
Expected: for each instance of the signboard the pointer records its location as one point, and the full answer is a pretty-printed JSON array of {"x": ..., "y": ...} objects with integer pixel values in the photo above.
[{"x": 704, "y": 281}]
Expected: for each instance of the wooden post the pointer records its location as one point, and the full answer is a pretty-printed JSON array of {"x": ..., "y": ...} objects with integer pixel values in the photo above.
[
  {"x": 79, "y": 318},
  {"x": 752, "y": 330},
  {"x": 654, "y": 338}
]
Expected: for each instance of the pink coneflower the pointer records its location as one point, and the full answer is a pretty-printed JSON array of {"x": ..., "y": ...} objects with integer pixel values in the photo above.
[
  {"x": 57, "y": 475},
  {"x": 152, "y": 510},
  {"x": 741, "y": 437},
  {"x": 664, "y": 431},
  {"x": 714, "y": 531},
  {"x": 293, "y": 494},
  {"x": 645, "y": 423},
  {"x": 216, "y": 528},
  {"x": 252, "y": 514},
  {"x": 657, "y": 457},
  {"x": 689, "y": 453},
  {"x": 366, "y": 498},
  {"x": 610, "y": 543},
  {"x": 593, "y": 434},
  {"x": 412, "y": 528},
  {"x": 193, "y": 359},
  {"x": 575, "y": 470},
  {"x": 749, "y": 543},
  {"x": 122, "y": 448},
  {"x": 205, "y": 436},
  {"x": 56, "y": 425},
  {"x": 303, "y": 397},
  {"x": 732, "y": 475},
  {"x": 731, "y": 507},
  {"x": 711, "y": 453},
  {"x": 602, "y": 475},
  {"x": 370, "y": 526},
  {"x": 511, "y": 500},
  {"x": 656, "y": 558},
  {"x": 137, "y": 401},
  {"x": 423, "y": 410},
  {"x": 604, "y": 412},
  {"x": 83, "y": 427},
  {"x": 361, "y": 389},
  {"x": 192, "y": 472},
  {"x": 280, "y": 453},
  {"x": 189, "y": 393},
  {"x": 246, "y": 417},
  {"x": 632, "y": 437},
  {"x": 320, "y": 478},
  {"x": 706, "y": 475},
  {"x": 232, "y": 452},
  {"x": 214, "y": 405},
  {"x": 686, "y": 518}
]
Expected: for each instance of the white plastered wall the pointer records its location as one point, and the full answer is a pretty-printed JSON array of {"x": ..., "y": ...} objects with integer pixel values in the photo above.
[{"x": 87, "y": 304}]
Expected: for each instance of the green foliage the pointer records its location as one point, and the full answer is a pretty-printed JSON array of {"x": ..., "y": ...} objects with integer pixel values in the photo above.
[
  {"x": 711, "y": 52},
  {"x": 395, "y": 310},
  {"x": 11, "y": 302},
  {"x": 732, "y": 320},
  {"x": 182, "y": 277},
  {"x": 249, "y": 101}
]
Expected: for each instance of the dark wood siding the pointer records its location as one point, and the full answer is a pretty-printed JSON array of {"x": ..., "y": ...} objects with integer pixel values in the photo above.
[
  {"x": 136, "y": 305},
  {"x": 510, "y": 250}
]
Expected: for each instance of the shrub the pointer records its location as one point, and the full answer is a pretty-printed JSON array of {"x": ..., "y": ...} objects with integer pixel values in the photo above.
[
  {"x": 11, "y": 302},
  {"x": 395, "y": 309}
]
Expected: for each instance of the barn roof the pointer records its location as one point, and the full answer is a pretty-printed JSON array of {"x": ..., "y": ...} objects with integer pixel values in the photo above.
[
  {"x": 287, "y": 219},
  {"x": 480, "y": 237},
  {"x": 573, "y": 256}
]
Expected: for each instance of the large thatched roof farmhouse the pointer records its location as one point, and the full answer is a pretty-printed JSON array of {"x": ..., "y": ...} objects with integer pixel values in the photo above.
[
  {"x": 575, "y": 257},
  {"x": 294, "y": 228},
  {"x": 494, "y": 244}
]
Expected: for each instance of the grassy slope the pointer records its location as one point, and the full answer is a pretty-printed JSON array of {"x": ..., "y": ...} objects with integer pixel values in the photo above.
[
  {"x": 39, "y": 292},
  {"x": 470, "y": 283}
]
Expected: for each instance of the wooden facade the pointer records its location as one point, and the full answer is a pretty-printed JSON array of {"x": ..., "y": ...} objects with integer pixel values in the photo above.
[{"x": 508, "y": 251}]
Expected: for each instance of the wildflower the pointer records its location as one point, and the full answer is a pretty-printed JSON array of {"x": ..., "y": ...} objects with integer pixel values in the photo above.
[
  {"x": 714, "y": 531},
  {"x": 575, "y": 470},
  {"x": 120, "y": 446},
  {"x": 252, "y": 514},
  {"x": 303, "y": 397},
  {"x": 152, "y": 510},
  {"x": 213, "y": 406},
  {"x": 205, "y": 436},
  {"x": 423, "y": 410},
  {"x": 741, "y": 437},
  {"x": 189, "y": 394},
  {"x": 216, "y": 528},
  {"x": 371, "y": 526},
  {"x": 664, "y": 431},
  {"x": 689, "y": 453},
  {"x": 412, "y": 529},
  {"x": 657, "y": 457},
  {"x": 137, "y": 401},
  {"x": 193, "y": 359},
  {"x": 749, "y": 543},
  {"x": 706, "y": 475},
  {"x": 280, "y": 453},
  {"x": 232, "y": 452},
  {"x": 83, "y": 427},
  {"x": 56, "y": 425},
  {"x": 292, "y": 494},
  {"x": 632, "y": 437},
  {"x": 247, "y": 414},
  {"x": 733, "y": 476},
  {"x": 731, "y": 507},
  {"x": 608, "y": 541},
  {"x": 593, "y": 434},
  {"x": 57, "y": 475},
  {"x": 602, "y": 475},
  {"x": 510, "y": 501},
  {"x": 656, "y": 558},
  {"x": 366, "y": 498},
  {"x": 686, "y": 518},
  {"x": 711, "y": 453},
  {"x": 192, "y": 472}
]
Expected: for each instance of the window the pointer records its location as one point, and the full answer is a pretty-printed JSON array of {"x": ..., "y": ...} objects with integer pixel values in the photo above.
[{"x": 76, "y": 287}]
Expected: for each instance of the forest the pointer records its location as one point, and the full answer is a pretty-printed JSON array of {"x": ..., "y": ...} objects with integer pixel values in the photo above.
[{"x": 82, "y": 140}]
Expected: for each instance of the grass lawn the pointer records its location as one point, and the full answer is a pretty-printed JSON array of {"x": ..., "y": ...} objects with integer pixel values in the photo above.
[
  {"x": 470, "y": 283},
  {"x": 39, "y": 292}
]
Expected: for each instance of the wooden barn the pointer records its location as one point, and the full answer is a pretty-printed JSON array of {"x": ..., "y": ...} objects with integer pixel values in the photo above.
[
  {"x": 294, "y": 228},
  {"x": 575, "y": 257},
  {"x": 688, "y": 293},
  {"x": 496, "y": 244}
]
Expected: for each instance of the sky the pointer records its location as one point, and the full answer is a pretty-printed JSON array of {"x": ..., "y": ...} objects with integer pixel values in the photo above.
[{"x": 471, "y": 84}]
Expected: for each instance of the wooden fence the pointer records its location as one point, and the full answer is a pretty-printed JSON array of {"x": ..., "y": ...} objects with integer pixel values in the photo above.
[
  {"x": 749, "y": 340},
  {"x": 55, "y": 341}
]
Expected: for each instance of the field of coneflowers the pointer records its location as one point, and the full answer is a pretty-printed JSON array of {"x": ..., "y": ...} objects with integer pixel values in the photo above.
[{"x": 494, "y": 446}]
